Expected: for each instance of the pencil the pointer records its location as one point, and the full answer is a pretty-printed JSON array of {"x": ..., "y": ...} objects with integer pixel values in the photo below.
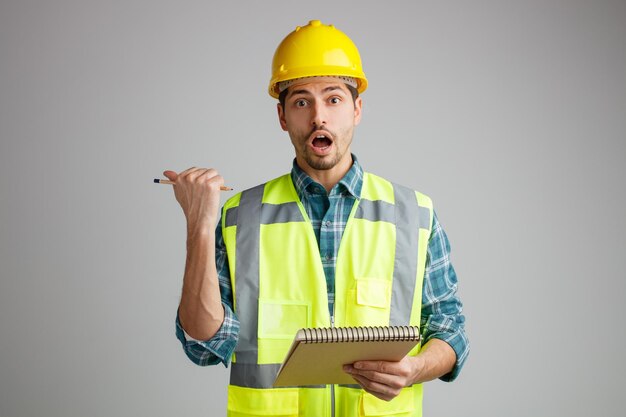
[{"x": 158, "y": 181}]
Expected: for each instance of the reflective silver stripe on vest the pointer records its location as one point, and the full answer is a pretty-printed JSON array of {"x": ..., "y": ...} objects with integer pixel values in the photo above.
[
  {"x": 247, "y": 273},
  {"x": 355, "y": 386},
  {"x": 280, "y": 213},
  {"x": 375, "y": 211},
  {"x": 424, "y": 218},
  {"x": 405, "y": 265},
  {"x": 246, "y": 372},
  {"x": 252, "y": 375},
  {"x": 270, "y": 214},
  {"x": 231, "y": 216}
]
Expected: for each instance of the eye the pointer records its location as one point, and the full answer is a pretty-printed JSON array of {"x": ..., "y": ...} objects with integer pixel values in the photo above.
[
  {"x": 300, "y": 103},
  {"x": 335, "y": 100}
]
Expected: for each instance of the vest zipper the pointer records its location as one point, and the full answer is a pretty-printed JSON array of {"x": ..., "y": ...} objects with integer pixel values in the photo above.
[{"x": 332, "y": 386}]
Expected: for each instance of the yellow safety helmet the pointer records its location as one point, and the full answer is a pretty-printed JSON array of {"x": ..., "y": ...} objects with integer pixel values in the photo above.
[{"x": 316, "y": 50}]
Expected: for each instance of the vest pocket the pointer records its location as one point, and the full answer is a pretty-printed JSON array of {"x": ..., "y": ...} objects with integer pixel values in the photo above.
[
  {"x": 372, "y": 292},
  {"x": 244, "y": 402},
  {"x": 402, "y": 405},
  {"x": 279, "y": 320},
  {"x": 368, "y": 303}
]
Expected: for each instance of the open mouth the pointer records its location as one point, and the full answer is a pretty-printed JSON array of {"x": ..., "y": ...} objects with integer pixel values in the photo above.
[{"x": 321, "y": 142}]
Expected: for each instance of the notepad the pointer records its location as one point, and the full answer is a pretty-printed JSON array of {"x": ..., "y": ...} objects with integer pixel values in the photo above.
[{"x": 317, "y": 356}]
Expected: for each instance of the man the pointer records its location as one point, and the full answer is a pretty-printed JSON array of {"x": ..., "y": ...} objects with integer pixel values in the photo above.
[{"x": 326, "y": 245}]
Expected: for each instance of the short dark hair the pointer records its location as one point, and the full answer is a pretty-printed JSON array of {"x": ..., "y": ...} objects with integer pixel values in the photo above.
[{"x": 283, "y": 95}]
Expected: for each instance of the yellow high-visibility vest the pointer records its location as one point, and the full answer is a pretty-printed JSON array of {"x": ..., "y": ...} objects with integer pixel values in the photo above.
[{"x": 279, "y": 286}]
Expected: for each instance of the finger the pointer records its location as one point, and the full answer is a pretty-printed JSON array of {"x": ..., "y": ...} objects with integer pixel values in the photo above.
[
  {"x": 188, "y": 171},
  {"x": 206, "y": 175},
  {"x": 377, "y": 390},
  {"x": 394, "y": 381},
  {"x": 170, "y": 175},
  {"x": 216, "y": 182},
  {"x": 201, "y": 175},
  {"x": 388, "y": 373},
  {"x": 384, "y": 367}
]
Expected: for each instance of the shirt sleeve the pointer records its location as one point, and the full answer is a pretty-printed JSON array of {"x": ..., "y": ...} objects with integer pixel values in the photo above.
[
  {"x": 222, "y": 345},
  {"x": 442, "y": 316}
]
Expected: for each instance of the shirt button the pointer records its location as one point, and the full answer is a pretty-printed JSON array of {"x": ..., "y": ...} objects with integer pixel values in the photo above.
[
  {"x": 327, "y": 257},
  {"x": 327, "y": 223}
]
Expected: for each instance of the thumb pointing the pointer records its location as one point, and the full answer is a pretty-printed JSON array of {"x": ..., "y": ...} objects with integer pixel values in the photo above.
[{"x": 171, "y": 175}]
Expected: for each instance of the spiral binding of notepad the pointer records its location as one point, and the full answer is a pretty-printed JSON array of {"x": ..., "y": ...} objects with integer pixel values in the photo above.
[{"x": 361, "y": 334}]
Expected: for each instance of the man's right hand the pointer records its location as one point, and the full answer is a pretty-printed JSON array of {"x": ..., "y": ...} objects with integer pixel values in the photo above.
[{"x": 197, "y": 190}]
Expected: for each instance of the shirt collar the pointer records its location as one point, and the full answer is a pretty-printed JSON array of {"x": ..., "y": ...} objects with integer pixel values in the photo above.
[{"x": 351, "y": 183}]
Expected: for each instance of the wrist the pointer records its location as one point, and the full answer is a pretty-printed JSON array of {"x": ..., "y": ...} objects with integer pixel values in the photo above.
[
  {"x": 200, "y": 232},
  {"x": 436, "y": 358},
  {"x": 200, "y": 226},
  {"x": 418, "y": 364}
]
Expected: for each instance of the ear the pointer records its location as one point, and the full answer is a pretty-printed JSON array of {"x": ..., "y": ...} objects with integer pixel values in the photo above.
[
  {"x": 358, "y": 107},
  {"x": 281, "y": 116}
]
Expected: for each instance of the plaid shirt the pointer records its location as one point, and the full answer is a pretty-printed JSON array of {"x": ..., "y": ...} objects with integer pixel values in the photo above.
[{"x": 442, "y": 316}]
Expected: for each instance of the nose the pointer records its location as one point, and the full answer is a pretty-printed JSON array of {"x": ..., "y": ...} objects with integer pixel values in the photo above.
[{"x": 318, "y": 114}]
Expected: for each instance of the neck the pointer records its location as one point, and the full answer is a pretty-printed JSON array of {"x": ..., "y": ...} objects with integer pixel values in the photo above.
[{"x": 327, "y": 177}]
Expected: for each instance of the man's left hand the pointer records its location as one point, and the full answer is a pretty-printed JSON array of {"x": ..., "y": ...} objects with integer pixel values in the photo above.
[{"x": 384, "y": 379}]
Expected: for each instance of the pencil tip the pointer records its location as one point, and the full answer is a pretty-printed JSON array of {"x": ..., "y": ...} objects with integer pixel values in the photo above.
[{"x": 156, "y": 180}]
